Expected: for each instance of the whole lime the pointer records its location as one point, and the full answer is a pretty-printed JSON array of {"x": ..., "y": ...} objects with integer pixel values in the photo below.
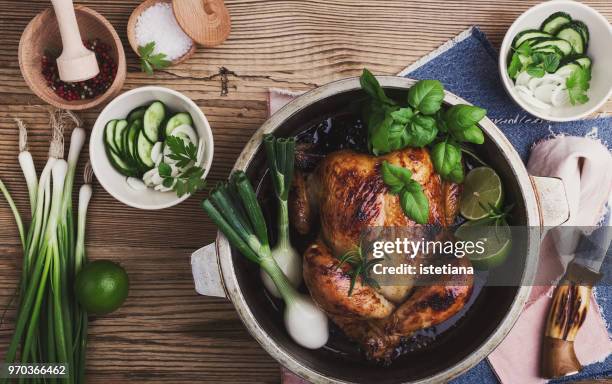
[{"x": 101, "y": 286}]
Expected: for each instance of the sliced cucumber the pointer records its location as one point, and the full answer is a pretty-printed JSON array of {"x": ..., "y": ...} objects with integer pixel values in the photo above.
[
  {"x": 550, "y": 49},
  {"x": 584, "y": 31},
  {"x": 130, "y": 141},
  {"x": 584, "y": 61},
  {"x": 152, "y": 120},
  {"x": 527, "y": 35},
  {"x": 572, "y": 34},
  {"x": 136, "y": 114},
  {"x": 555, "y": 22},
  {"x": 563, "y": 45},
  {"x": 119, "y": 164},
  {"x": 177, "y": 120},
  {"x": 567, "y": 69},
  {"x": 119, "y": 137},
  {"x": 143, "y": 150},
  {"x": 109, "y": 135}
]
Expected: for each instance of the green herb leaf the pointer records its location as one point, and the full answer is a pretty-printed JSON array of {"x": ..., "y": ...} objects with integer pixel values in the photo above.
[
  {"x": 472, "y": 134},
  {"x": 371, "y": 86},
  {"x": 402, "y": 115},
  {"x": 426, "y": 96},
  {"x": 164, "y": 170},
  {"x": 461, "y": 117},
  {"x": 524, "y": 49},
  {"x": 515, "y": 66},
  {"x": 415, "y": 204},
  {"x": 445, "y": 157},
  {"x": 535, "y": 71},
  {"x": 441, "y": 121},
  {"x": 395, "y": 177},
  {"x": 551, "y": 62},
  {"x": 578, "y": 83},
  {"x": 457, "y": 174},
  {"x": 181, "y": 151},
  {"x": 421, "y": 131},
  {"x": 360, "y": 268},
  {"x": 150, "y": 62}
]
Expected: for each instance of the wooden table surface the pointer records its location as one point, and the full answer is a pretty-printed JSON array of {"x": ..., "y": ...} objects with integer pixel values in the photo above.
[{"x": 165, "y": 332}]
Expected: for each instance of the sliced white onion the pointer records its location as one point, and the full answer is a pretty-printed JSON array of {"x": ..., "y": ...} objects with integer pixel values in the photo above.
[
  {"x": 544, "y": 92},
  {"x": 523, "y": 78},
  {"x": 156, "y": 152},
  {"x": 148, "y": 175},
  {"x": 200, "y": 150},
  {"x": 136, "y": 184},
  {"x": 559, "y": 96},
  {"x": 167, "y": 152},
  {"x": 186, "y": 130},
  {"x": 161, "y": 188},
  {"x": 528, "y": 97}
]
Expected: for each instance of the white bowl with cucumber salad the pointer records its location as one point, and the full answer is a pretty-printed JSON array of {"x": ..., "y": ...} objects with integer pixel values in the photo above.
[
  {"x": 548, "y": 55},
  {"x": 150, "y": 147}
]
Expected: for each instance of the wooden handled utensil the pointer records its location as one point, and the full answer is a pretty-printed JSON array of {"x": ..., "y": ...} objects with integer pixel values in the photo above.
[
  {"x": 570, "y": 304},
  {"x": 76, "y": 63}
]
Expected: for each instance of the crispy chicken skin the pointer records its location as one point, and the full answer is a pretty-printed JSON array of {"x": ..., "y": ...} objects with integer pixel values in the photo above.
[{"x": 348, "y": 194}]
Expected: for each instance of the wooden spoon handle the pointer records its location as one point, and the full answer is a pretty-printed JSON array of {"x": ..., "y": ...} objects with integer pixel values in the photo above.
[{"x": 567, "y": 313}]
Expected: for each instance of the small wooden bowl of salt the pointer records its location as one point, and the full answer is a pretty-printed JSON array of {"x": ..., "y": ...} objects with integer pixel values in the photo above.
[{"x": 154, "y": 20}]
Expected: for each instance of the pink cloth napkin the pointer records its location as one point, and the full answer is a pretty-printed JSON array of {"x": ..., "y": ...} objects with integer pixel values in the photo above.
[{"x": 585, "y": 166}]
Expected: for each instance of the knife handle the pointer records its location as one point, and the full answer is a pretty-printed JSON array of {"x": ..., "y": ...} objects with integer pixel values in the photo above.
[{"x": 568, "y": 311}]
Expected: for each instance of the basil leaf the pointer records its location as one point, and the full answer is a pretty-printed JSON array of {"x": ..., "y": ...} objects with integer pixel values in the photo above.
[
  {"x": 441, "y": 121},
  {"x": 415, "y": 204},
  {"x": 445, "y": 157},
  {"x": 385, "y": 136},
  {"x": 578, "y": 83},
  {"x": 402, "y": 115},
  {"x": 421, "y": 131},
  {"x": 426, "y": 96},
  {"x": 457, "y": 175},
  {"x": 463, "y": 116},
  {"x": 395, "y": 177},
  {"x": 371, "y": 86},
  {"x": 471, "y": 134}
]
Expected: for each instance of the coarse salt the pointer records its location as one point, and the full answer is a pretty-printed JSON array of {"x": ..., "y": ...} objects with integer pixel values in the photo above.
[{"x": 157, "y": 23}]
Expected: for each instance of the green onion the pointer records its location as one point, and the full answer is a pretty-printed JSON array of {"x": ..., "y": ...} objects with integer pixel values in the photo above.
[
  {"x": 50, "y": 328},
  {"x": 281, "y": 157},
  {"x": 236, "y": 212}
]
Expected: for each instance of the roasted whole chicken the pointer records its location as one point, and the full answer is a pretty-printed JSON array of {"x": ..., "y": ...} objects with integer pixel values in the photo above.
[{"x": 343, "y": 196}]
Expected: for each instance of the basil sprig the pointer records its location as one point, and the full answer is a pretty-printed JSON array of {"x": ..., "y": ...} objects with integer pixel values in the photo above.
[
  {"x": 413, "y": 201},
  {"x": 421, "y": 122}
]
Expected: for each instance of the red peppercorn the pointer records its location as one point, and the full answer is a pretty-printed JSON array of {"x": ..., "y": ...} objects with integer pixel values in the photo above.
[{"x": 87, "y": 89}]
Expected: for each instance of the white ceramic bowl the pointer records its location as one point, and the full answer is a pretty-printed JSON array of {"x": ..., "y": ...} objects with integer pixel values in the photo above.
[
  {"x": 114, "y": 182},
  {"x": 599, "y": 49}
]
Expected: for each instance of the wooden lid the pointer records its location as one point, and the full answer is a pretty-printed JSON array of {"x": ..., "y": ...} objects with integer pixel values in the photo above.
[{"x": 207, "y": 22}]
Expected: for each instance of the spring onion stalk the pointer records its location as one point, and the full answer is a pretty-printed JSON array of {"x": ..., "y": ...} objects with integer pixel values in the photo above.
[
  {"x": 27, "y": 164},
  {"x": 15, "y": 211},
  {"x": 80, "y": 259},
  {"x": 50, "y": 327},
  {"x": 281, "y": 154},
  {"x": 241, "y": 220}
]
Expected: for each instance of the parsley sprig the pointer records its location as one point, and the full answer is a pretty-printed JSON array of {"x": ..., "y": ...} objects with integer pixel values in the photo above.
[
  {"x": 189, "y": 180},
  {"x": 149, "y": 62},
  {"x": 578, "y": 84}
]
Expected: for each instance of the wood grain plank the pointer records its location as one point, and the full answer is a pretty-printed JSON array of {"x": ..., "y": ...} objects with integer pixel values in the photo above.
[{"x": 165, "y": 332}]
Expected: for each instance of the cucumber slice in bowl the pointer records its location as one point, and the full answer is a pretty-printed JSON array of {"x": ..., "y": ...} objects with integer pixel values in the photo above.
[
  {"x": 136, "y": 114},
  {"x": 130, "y": 141},
  {"x": 143, "y": 150},
  {"x": 529, "y": 34},
  {"x": 572, "y": 34},
  {"x": 152, "y": 120},
  {"x": 119, "y": 138},
  {"x": 561, "y": 44},
  {"x": 555, "y": 22},
  {"x": 177, "y": 120},
  {"x": 109, "y": 135}
]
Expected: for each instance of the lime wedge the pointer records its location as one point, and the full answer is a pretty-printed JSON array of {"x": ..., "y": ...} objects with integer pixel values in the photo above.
[
  {"x": 481, "y": 190},
  {"x": 496, "y": 241}
]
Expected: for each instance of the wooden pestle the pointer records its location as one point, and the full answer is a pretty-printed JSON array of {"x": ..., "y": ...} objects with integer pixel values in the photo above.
[{"x": 76, "y": 63}]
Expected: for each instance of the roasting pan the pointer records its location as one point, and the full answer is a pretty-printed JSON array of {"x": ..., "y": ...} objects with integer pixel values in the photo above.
[{"x": 539, "y": 202}]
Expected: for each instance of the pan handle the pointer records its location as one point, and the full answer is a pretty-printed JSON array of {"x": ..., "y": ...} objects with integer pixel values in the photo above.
[
  {"x": 207, "y": 272},
  {"x": 552, "y": 200}
]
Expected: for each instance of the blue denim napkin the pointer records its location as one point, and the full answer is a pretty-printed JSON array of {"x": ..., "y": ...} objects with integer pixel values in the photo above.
[{"x": 467, "y": 66}]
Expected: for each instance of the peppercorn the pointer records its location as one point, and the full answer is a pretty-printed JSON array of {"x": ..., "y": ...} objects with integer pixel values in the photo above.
[{"x": 87, "y": 89}]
